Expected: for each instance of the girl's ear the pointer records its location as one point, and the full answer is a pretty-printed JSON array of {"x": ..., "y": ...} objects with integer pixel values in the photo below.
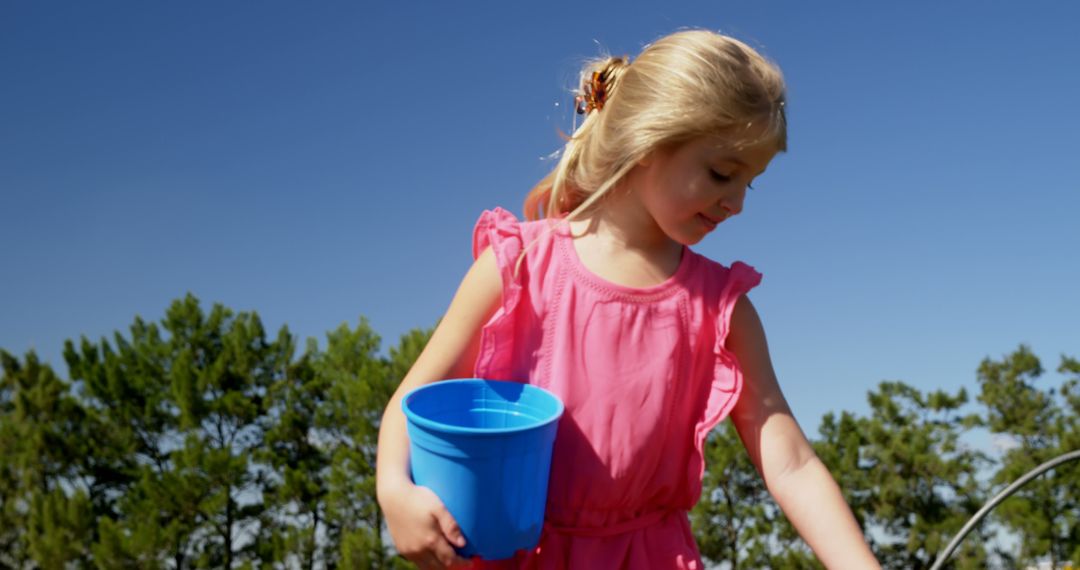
[{"x": 646, "y": 160}]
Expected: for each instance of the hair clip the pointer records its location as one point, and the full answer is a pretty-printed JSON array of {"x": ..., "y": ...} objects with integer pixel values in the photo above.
[{"x": 595, "y": 93}]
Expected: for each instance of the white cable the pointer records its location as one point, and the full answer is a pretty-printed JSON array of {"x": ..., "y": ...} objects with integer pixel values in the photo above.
[{"x": 1070, "y": 456}]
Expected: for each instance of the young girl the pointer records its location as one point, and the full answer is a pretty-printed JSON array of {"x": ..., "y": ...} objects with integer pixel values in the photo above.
[{"x": 599, "y": 299}]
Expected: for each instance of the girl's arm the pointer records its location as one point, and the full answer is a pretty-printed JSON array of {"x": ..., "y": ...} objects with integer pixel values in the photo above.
[
  {"x": 420, "y": 525},
  {"x": 794, "y": 475}
]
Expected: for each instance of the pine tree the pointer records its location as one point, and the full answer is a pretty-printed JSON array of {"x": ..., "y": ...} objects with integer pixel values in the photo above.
[
  {"x": 923, "y": 478},
  {"x": 736, "y": 522},
  {"x": 187, "y": 406},
  {"x": 1070, "y": 441},
  {"x": 360, "y": 384},
  {"x": 1040, "y": 425},
  {"x": 296, "y": 461},
  {"x": 46, "y": 517}
]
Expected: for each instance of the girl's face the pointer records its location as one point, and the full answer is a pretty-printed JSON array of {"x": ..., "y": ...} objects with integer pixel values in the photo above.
[{"x": 689, "y": 188}]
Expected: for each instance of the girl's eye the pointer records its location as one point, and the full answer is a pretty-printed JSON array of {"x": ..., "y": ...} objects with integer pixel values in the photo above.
[
  {"x": 750, "y": 186},
  {"x": 719, "y": 177}
]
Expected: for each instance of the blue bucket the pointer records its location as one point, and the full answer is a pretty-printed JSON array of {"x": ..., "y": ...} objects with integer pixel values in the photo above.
[{"x": 484, "y": 447}]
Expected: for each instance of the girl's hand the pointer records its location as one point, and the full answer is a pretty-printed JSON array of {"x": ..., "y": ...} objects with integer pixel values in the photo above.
[{"x": 423, "y": 530}]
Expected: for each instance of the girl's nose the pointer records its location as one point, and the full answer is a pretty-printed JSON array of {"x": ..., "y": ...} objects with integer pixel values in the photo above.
[{"x": 733, "y": 203}]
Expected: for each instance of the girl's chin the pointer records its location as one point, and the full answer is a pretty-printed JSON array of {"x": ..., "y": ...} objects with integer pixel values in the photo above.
[{"x": 693, "y": 239}]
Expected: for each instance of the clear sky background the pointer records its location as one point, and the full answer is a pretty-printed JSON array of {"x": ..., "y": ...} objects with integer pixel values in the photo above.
[{"x": 315, "y": 162}]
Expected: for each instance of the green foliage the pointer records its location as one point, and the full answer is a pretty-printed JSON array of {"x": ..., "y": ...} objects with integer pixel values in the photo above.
[
  {"x": 1040, "y": 425},
  {"x": 200, "y": 442},
  {"x": 906, "y": 474},
  {"x": 295, "y": 491},
  {"x": 736, "y": 521},
  {"x": 360, "y": 387},
  {"x": 181, "y": 414},
  {"x": 42, "y": 435},
  {"x": 58, "y": 528},
  {"x": 1070, "y": 440}
]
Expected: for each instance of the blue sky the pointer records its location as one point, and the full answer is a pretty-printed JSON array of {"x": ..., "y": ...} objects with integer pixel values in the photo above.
[{"x": 315, "y": 162}]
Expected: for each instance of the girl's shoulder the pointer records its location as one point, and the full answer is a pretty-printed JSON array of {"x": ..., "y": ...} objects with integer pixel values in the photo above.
[
  {"x": 532, "y": 247},
  {"x": 713, "y": 274},
  {"x": 502, "y": 229}
]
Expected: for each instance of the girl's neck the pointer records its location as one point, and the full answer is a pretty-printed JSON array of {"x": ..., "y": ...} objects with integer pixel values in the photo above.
[
  {"x": 621, "y": 223},
  {"x": 624, "y": 245}
]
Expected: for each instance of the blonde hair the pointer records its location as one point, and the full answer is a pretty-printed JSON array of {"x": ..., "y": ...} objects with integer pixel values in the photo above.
[{"x": 688, "y": 84}]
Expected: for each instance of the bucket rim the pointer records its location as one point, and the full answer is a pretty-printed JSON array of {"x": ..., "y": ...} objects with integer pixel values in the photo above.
[{"x": 423, "y": 422}]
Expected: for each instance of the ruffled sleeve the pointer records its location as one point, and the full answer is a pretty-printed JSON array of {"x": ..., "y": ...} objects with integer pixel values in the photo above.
[
  {"x": 500, "y": 230},
  {"x": 727, "y": 379}
]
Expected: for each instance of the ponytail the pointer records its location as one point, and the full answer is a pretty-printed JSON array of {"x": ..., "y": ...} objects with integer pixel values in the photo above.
[{"x": 560, "y": 192}]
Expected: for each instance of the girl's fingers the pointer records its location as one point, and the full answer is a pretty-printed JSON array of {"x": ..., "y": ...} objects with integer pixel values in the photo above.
[
  {"x": 437, "y": 536},
  {"x": 450, "y": 528}
]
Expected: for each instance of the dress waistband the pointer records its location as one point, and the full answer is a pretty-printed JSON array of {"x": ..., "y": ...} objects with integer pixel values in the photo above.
[{"x": 638, "y": 523}]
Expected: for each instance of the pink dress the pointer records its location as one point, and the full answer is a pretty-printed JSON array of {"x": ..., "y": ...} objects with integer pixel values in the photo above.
[{"x": 644, "y": 375}]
